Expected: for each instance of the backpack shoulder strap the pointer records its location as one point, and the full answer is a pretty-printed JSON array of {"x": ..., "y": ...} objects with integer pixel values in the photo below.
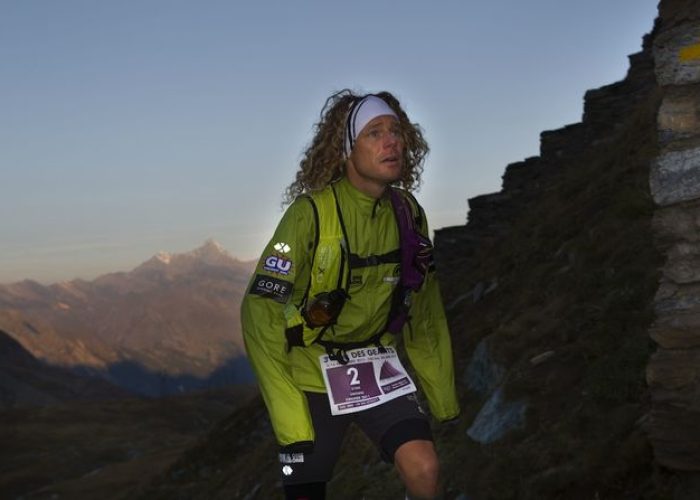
[
  {"x": 315, "y": 244},
  {"x": 328, "y": 261},
  {"x": 416, "y": 210}
]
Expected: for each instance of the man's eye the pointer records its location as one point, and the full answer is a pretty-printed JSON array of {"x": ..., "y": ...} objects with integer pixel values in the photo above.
[{"x": 374, "y": 133}]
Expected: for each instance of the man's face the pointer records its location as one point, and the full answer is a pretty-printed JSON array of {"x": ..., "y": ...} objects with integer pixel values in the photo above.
[{"x": 377, "y": 158}]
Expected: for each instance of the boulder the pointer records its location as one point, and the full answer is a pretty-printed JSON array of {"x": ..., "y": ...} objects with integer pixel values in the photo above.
[{"x": 496, "y": 418}]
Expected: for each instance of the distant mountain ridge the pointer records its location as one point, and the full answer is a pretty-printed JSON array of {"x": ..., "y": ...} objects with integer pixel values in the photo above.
[{"x": 169, "y": 325}]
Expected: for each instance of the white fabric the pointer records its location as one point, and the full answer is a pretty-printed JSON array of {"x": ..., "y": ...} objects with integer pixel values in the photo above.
[{"x": 361, "y": 114}]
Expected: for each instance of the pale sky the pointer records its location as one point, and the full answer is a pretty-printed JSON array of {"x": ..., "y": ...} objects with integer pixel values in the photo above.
[{"x": 134, "y": 126}]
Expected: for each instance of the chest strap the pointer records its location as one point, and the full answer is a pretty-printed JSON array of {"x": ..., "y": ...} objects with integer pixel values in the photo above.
[
  {"x": 392, "y": 257},
  {"x": 337, "y": 351}
]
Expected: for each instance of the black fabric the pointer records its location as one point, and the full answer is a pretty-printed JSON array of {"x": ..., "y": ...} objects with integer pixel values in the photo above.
[
  {"x": 318, "y": 465},
  {"x": 306, "y": 491},
  {"x": 345, "y": 251},
  {"x": 295, "y": 336},
  {"x": 403, "y": 432},
  {"x": 393, "y": 257},
  {"x": 337, "y": 351},
  {"x": 312, "y": 250},
  {"x": 382, "y": 424},
  {"x": 298, "y": 447}
]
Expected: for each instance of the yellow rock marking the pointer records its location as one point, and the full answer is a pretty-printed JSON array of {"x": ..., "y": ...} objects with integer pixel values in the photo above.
[{"x": 690, "y": 53}]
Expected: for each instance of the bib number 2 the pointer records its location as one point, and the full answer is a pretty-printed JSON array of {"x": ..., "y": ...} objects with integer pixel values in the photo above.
[
  {"x": 353, "y": 374},
  {"x": 369, "y": 379}
]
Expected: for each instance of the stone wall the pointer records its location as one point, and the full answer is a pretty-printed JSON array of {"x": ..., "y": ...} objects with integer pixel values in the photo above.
[
  {"x": 673, "y": 372},
  {"x": 491, "y": 215}
]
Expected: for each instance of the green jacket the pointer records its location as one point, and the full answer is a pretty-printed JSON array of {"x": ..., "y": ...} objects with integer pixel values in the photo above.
[{"x": 280, "y": 281}]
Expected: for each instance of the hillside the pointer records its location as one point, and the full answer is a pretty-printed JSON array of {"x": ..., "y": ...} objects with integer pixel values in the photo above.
[
  {"x": 103, "y": 449},
  {"x": 26, "y": 381}
]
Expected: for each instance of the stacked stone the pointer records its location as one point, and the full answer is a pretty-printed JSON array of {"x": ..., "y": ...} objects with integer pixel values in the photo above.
[
  {"x": 491, "y": 215},
  {"x": 673, "y": 372}
]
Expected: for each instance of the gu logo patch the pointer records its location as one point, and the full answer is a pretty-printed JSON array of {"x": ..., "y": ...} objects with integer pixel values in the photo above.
[
  {"x": 272, "y": 288},
  {"x": 277, "y": 265}
]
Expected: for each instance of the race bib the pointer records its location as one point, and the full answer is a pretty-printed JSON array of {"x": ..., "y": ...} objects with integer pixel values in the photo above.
[{"x": 369, "y": 379}]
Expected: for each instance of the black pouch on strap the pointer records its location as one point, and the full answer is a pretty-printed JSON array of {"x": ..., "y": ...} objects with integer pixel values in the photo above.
[{"x": 295, "y": 336}]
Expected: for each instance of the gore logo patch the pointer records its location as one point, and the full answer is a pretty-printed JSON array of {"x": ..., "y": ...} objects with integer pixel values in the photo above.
[
  {"x": 272, "y": 288},
  {"x": 277, "y": 265}
]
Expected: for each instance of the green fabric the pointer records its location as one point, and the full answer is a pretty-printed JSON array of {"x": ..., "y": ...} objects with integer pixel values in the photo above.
[
  {"x": 325, "y": 269},
  {"x": 283, "y": 375}
]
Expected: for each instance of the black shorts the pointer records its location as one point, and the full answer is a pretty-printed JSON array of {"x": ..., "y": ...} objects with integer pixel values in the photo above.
[{"x": 388, "y": 426}]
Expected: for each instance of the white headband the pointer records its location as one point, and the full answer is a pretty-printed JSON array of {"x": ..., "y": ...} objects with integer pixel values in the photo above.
[{"x": 361, "y": 114}]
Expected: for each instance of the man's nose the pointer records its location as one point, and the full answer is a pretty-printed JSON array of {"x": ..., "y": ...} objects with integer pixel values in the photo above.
[{"x": 390, "y": 138}]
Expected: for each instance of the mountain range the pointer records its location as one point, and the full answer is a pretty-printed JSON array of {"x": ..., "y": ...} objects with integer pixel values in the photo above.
[{"x": 169, "y": 325}]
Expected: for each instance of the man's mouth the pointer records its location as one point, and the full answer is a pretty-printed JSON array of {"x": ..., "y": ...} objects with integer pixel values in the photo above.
[{"x": 390, "y": 159}]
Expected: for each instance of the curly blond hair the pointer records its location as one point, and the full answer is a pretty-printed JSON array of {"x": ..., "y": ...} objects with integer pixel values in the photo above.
[{"x": 323, "y": 160}]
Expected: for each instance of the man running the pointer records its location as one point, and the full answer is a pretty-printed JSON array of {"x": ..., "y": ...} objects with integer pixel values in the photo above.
[{"x": 346, "y": 276}]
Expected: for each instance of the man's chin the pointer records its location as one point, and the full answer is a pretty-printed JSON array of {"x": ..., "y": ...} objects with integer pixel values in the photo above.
[{"x": 392, "y": 173}]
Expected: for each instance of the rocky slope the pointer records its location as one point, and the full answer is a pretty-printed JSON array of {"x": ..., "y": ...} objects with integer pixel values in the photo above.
[{"x": 169, "y": 325}]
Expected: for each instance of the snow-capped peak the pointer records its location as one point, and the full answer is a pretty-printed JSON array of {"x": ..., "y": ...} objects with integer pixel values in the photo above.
[
  {"x": 163, "y": 257},
  {"x": 210, "y": 248}
]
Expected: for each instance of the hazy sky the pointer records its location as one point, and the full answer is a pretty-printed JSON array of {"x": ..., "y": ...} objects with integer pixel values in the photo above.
[{"x": 133, "y": 126}]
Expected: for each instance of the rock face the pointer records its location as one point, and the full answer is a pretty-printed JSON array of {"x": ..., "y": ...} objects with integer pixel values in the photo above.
[{"x": 673, "y": 373}]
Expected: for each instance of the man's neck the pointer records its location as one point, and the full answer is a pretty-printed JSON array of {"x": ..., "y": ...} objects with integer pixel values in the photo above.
[{"x": 370, "y": 187}]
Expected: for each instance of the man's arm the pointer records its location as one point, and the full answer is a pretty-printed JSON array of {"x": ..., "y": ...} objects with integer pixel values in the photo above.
[{"x": 279, "y": 280}]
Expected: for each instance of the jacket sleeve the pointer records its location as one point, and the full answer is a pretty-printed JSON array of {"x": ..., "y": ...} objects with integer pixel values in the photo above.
[
  {"x": 280, "y": 278},
  {"x": 429, "y": 348}
]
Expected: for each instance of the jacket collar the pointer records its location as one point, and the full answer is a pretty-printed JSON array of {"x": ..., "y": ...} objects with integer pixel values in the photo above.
[{"x": 364, "y": 203}]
